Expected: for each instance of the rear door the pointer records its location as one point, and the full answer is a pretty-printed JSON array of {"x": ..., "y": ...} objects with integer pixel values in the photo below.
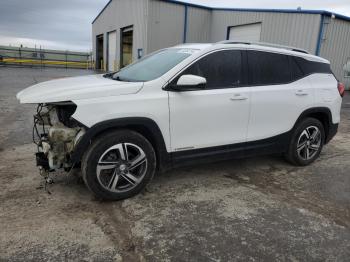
[
  {"x": 277, "y": 99},
  {"x": 217, "y": 115}
]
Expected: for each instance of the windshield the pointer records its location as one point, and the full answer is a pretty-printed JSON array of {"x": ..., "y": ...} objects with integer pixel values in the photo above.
[{"x": 153, "y": 66}]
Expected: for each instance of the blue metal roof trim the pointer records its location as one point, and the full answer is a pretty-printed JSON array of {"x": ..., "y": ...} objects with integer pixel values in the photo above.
[
  {"x": 269, "y": 10},
  {"x": 188, "y": 4},
  {"x": 294, "y": 11},
  {"x": 317, "y": 12},
  {"x": 339, "y": 16},
  {"x": 185, "y": 24},
  {"x": 101, "y": 11},
  {"x": 319, "y": 38}
]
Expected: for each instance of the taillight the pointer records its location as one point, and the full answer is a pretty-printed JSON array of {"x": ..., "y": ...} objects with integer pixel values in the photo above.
[{"x": 341, "y": 89}]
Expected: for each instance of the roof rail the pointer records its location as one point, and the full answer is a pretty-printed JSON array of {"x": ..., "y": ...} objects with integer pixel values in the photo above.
[{"x": 295, "y": 49}]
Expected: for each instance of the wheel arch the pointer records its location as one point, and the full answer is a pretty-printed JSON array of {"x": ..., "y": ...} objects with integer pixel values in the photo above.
[
  {"x": 145, "y": 126},
  {"x": 324, "y": 115}
]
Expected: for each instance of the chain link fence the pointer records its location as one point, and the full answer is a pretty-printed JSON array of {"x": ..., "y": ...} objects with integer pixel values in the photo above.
[{"x": 32, "y": 57}]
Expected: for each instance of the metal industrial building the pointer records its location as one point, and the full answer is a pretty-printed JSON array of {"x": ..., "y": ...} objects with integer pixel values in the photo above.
[{"x": 126, "y": 30}]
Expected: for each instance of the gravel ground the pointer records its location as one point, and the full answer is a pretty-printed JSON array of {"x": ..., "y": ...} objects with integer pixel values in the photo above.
[{"x": 257, "y": 209}]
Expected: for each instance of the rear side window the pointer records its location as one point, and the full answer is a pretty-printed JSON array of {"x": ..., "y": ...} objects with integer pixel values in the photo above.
[
  {"x": 222, "y": 69},
  {"x": 268, "y": 68},
  {"x": 310, "y": 67},
  {"x": 296, "y": 71}
]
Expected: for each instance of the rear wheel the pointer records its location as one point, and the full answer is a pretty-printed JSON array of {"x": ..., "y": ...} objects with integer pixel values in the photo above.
[
  {"x": 118, "y": 165},
  {"x": 307, "y": 142}
]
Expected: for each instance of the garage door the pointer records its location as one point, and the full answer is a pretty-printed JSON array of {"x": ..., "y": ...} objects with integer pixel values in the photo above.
[
  {"x": 112, "y": 46},
  {"x": 249, "y": 32}
]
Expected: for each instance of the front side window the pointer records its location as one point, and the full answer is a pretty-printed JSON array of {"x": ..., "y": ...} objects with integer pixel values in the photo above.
[
  {"x": 268, "y": 68},
  {"x": 222, "y": 69},
  {"x": 153, "y": 66}
]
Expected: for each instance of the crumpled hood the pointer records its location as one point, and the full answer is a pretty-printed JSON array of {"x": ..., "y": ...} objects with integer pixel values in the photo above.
[{"x": 76, "y": 88}]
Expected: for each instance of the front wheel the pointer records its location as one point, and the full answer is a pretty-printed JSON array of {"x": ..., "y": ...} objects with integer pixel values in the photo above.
[
  {"x": 118, "y": 165},
  {"x": 306, "y": 143}
]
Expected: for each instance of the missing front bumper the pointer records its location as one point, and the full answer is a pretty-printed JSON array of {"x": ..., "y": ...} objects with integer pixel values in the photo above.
[{"x": 42, "y": 161}]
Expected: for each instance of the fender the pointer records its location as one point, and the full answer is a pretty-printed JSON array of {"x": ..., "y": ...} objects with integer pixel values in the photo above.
[
  {"x": 330, "y": 128},
  {"x": 148, "y": 125},
  {"x": 315, "y": 110}
]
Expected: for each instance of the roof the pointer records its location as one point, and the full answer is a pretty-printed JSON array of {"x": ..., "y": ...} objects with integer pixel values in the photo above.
[
  {"x": 302, "y": 11},
  {"x": 110, "y": 1},
  {"x": 199, "y": 46}
]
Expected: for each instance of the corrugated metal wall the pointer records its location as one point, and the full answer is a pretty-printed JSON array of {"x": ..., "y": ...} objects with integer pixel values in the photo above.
[
  {"x": 199, "y": 25},
  {"x": 299, "y": 30},
  {"x": 165, "y": 25},
  {"x": 120, "y": 14},
  {"x": 159, "y": 24},
  {"x": 336, "y": 46}
]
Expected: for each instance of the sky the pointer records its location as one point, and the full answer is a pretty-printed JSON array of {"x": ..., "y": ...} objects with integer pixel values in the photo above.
[{"x": 66, "y": 24}]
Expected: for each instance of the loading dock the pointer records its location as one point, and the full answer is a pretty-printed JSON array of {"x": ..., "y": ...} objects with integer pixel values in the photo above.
[
  {"x": 111, "y": 49},
  {"x": 249, "y": 32},
  {"x": 99, "y": 52},
  {"x": 126, "y": 40}
]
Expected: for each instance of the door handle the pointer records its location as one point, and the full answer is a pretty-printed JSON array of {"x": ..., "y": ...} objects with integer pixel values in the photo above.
[
  {"x": 237, "y": 97},
  {"x": 301, "y": 93}
]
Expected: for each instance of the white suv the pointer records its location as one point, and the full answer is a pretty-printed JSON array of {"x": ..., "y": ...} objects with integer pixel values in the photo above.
[{"x": 180, "y": 105}]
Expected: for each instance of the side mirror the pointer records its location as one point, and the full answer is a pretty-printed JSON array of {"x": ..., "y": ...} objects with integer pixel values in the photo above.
[{"x": 189, "y": 83}]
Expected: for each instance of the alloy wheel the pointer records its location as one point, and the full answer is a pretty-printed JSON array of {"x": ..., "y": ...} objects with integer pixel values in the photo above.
[
  {"x": 121, "y": 167},
  {"x": 309, "y": 143}
]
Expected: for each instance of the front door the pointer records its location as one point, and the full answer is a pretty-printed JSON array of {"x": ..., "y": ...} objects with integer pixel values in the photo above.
[{"x": 217, "y": 115}]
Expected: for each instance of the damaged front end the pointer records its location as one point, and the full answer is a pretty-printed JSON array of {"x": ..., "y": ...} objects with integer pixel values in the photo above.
[{"x": 56, "y": 134}]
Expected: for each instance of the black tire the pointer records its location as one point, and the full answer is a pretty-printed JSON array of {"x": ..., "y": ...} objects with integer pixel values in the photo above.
[
  {"x": 292, "y": 154},
  {"x": 97, "y": 150}
]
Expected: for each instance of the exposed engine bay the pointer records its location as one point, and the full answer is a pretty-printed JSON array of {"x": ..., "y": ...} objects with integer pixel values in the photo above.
[{"x": 56, "y": 134}]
